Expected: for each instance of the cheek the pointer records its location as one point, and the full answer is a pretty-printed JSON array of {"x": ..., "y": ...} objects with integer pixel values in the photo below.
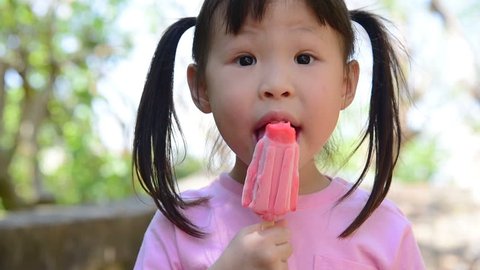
[
  {"x": 222, "y": 88},
  {"x": 323, "y": 110},
  {"x": 229, "y": 96},
  {"x": 231, "y": 113},
  {"x": 322, "y": 123}
]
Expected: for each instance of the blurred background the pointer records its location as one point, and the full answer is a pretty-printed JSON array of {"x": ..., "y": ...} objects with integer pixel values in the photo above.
[{"x": 71, "y": 77}]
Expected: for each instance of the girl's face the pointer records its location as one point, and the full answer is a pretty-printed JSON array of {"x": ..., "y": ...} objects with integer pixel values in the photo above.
[{"x": 286, "y": 67}]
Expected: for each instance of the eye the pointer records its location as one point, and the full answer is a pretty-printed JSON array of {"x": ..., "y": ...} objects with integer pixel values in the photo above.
[
  {"x": 303, "y": 59},
  {"x": 246, "y": 60}
]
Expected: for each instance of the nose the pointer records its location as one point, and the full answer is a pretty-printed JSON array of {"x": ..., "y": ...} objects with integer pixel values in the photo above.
[
  {"x": 273, "y": 93},
  {"x": 276, "y": 84}
]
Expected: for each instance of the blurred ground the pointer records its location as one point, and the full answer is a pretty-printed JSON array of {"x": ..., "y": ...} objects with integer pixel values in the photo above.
[{"x": 446, "y": 222}]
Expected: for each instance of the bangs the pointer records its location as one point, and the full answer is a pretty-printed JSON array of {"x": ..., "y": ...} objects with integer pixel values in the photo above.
[
  {"x": 331, "y": 12},
  {"x": 237, "y": 11}
]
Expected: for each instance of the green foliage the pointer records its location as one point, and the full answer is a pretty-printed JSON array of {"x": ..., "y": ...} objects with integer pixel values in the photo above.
[
  {"x": 418, "y": 161},
  {"x": 189, "y": 166},
  {"x": 87, "y": 177},
  {"x": 52, "y": 58}
]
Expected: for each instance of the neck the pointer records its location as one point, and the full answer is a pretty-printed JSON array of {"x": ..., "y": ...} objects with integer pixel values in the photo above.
[
  {"x": 239, "y": 171},
  {"x": 311, "y": 180}
]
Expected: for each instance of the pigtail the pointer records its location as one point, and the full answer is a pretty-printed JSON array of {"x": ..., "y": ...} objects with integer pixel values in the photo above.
[
  {"x": 383, "y": 130},
  {"x": 156, "y": 120}
]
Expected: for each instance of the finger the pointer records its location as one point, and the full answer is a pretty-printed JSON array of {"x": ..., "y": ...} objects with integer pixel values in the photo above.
[
  {"x": 282, "y": 236},
  {"x": 276, "y": 235},
  {"x": 283, "y": 266},
  {"x": 284, "y": 251},
  {"x": 281, "y": 223},
  {"x": 257, "y": 227},
  {"x": 280, "y": 232},
  {"x": 266, "y": 225}
]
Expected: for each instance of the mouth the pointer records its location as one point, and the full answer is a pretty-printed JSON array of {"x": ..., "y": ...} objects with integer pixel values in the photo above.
[
  {"x": 260, "y": 132},
  {"x": 276, "y": 117}
]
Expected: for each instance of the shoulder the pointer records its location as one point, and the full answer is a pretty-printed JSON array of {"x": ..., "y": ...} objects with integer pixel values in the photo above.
[
  {"x": 161, "y": 232},
  {"x": 387, "y": 224},
  {"x": 161, "y": 241},
  {"x": 158, "y": 247},
  {"x": 387, "y": 231},
  {"x": 386, "y": 212}
]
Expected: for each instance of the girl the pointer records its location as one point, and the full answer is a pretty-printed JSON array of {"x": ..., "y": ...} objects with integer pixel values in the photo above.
[{"x": 263, "y": 61}]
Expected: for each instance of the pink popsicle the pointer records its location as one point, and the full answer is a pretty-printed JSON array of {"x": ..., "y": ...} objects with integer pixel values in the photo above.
[{"x": 271, "y": 184}]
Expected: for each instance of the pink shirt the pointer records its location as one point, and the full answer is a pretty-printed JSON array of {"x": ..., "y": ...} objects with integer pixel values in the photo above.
[{"x": 384, "y": 241}]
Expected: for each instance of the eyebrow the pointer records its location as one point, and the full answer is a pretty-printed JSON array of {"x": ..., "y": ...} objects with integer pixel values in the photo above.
[
  {"x": 248, "y": 30},
  {"x": 254, "y": 31},
  {"x": 303, "y": 29},
  {"x": 309, "y": 29}
]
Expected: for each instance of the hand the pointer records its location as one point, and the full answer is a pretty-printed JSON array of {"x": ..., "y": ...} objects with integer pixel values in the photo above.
[{"x": 262, "y": 246}]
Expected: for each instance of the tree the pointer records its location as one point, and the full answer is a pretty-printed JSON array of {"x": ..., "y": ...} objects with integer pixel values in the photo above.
[{"x": 51, "y": 56}]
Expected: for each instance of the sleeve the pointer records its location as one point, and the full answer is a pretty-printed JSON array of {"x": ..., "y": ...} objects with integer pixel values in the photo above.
[
  {"x": 409, "y": 255},
  {"x": 158, "y": 249}
]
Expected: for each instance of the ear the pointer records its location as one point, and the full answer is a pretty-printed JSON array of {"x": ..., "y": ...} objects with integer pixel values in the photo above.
[
  {"x": 198, "y": 89},
  {"x": 351, "y": 81}
]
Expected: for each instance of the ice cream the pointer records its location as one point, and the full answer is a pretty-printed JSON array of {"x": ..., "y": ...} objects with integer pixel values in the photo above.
[{"x": 271, "y": 184}]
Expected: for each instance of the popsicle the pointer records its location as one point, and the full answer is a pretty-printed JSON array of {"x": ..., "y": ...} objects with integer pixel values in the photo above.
[{"x": 271, "y": 184}]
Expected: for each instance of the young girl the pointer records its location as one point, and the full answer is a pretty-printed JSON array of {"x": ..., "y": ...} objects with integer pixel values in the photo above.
[{"x": 259, "y": 62}]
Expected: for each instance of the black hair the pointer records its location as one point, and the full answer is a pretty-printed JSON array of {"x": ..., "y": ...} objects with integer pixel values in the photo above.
[
  {"x": 156, "y": 121},
  {"x": 156, "y": 118}
]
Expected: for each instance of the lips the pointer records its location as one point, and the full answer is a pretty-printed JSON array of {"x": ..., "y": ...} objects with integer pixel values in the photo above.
[{"x": 275, "y": 117}]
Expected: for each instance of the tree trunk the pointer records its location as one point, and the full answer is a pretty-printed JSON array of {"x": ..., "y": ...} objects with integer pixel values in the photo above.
[
  {"x": 3, "y": 96},
  {"x": 8, "y": 195}
]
